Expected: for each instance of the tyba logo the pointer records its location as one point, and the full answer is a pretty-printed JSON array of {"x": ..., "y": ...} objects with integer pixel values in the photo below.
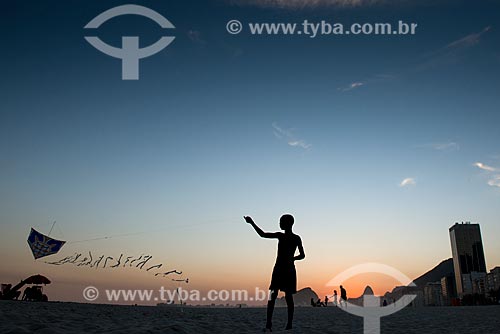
[
  {"x": 130, "y": 53},
  {"x": 372, "y": 311}
]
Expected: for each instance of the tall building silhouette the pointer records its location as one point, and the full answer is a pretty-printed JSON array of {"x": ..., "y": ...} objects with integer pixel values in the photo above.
[{"x": 468, "y": 256}]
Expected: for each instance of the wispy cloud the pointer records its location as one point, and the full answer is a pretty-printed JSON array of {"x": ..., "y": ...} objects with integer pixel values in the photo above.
[
  {"x": 451, "y": 52},
  {"x": 442, "y": 56},
  {"x": 367, "y": 81},
  {"x": 299, "y": 143},
  {"x": 280, "y": 133},
  {"x": 485, "y": 167},
  {"x": 409, "y": 181},
  {"x": 352, "y": 86},
  {"x": 299, "y": 4},
  {"x": 449, "y": 146},
  {"x": 494, "y": 180},
  {"x": 467, "y": 41},
  {"x": 288, "y": 136}
]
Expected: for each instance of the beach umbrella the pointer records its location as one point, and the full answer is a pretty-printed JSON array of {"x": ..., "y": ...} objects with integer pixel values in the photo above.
[{"x": 37, "y": 279}]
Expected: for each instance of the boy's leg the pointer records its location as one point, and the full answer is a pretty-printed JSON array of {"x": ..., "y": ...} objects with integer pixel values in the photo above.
[
  {"x": 290, "y": 306},
  {"x": 270, "y": 308}
]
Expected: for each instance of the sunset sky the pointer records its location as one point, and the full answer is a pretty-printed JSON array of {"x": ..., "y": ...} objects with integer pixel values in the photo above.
[{"x": 376, "y": 144}]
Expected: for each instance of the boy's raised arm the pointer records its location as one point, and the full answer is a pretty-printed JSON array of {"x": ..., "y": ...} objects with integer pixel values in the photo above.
[{"x": 259, "y": 231}]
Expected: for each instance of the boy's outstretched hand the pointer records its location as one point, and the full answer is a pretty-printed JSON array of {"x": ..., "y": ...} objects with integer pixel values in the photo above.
[{"x": 248, "y": 219}]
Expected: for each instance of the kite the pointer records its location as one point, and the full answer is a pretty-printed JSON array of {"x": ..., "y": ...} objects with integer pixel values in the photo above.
[
  {"x": 109, "y": 262},
  {"x": 42, "y": 245}
]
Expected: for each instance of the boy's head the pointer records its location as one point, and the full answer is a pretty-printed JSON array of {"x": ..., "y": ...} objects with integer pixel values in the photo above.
[{"x": 286, "y": 222}]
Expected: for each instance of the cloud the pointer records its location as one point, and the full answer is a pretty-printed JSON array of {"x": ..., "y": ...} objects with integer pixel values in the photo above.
[
  {"x": 485, "y": 167},
  {"x": 445, "y": 55},
  {"x": 299, "y": 143},
  {"x": 280, "y": 133},
  {"x": 467, "y": 41},
  {"x": 287, "y": 135},
  {"x": 495, "y": 181},
  {"x": 409, "y": 181},
  {"x": 299, "y": 4},
  {"x": 451, "y": 52},
  {"x": 449, "y": 146},
  {"x": 381, "y": 77},
  {"x": 352, "y": 86}
]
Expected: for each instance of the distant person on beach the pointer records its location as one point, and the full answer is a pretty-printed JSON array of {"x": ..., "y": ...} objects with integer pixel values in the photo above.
[
  {"x": 326, "y": 301},
  {"x": 335, "y": 298},
  {"x": 343, "y": 296},
  {"x": 284, "y": 276},
  {"x": 318, "y": 303}
]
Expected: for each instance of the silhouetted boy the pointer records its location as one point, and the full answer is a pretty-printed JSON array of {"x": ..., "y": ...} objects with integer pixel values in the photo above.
[{"x": 284, "y": 276}]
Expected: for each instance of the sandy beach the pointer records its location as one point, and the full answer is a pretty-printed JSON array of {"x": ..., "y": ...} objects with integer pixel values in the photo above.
[{"x": 53, "y": 317}]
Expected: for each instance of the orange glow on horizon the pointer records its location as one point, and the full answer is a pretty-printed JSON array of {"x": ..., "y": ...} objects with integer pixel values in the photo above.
[{"x": 356, "y": 285}]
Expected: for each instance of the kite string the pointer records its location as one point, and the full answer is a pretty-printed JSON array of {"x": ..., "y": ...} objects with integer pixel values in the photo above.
[
  {"x": 51, "y": 228},
  {"x": 143, "y": 232},
  {"x": 105, "y": 238}
]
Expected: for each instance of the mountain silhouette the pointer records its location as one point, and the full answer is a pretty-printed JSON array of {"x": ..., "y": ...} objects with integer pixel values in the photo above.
[
  {"x": 359, "y": 300},
  {"x": 368, "y": 291},
  {"x": 301, "y": 298},
  {"x": 445, "y": 268}
]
